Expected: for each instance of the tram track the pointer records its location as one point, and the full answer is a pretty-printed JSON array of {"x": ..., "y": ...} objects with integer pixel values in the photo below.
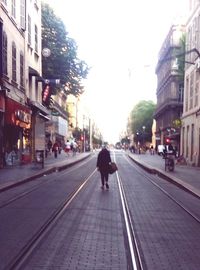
[
  {"x": 36, "y": 186},
  {"x": 18, "y": 261},
  {"x": 136, "y": 252},
  {"x": 152, "y": 180},
  {"x": 134, "y": 256},
  {"x": 136, "y": 262},
  {"x": 28, "y": 249}
]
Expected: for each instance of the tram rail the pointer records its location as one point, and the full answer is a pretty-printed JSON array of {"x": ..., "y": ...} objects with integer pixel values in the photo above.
[
  {"x": 22, "y": 256},
  {"x": 36, "y": 186},
  {"x": 173, "y": 198},
  {"x": 136, "y": 262},
  {"x": 135, "y": 258}
]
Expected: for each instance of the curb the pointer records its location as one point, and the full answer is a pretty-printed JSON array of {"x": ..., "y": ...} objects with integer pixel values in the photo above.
[
  {"x": 176, "y": 181},
  {"x": 10, "y": 185}
]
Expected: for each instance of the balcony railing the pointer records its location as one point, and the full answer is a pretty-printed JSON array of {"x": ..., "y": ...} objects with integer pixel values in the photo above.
[{"x": 168, "y": 103}]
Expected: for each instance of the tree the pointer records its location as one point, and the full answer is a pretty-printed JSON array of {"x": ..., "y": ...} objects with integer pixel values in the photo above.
[
  {"x": 181, "y": 59},
  {"x": 142, "y": 119},
  {"x": 63, "y": 62}
]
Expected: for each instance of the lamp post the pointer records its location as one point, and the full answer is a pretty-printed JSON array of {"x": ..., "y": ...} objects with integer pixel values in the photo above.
[
  {"x": 143, "y": 135},
  {"x": 83, "y": 133}
]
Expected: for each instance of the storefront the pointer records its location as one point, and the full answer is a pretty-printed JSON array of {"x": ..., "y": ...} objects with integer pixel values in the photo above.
[
  {"x": 56, "y": 130},
  {"x": 40, "y": 115},
  {"x": 17, "y": 133}
]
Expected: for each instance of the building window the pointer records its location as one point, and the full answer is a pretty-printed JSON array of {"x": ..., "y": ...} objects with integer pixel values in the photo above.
[
  {"x": 180, "y": 92},
  {"x": 187, "y": 141},
  {"x": 14, "y": 62},
  {"x": 5, "y": 54},
  {"x": 191, "y": 90},
  {"x": 22, "y": 14},
  {"x": 192, "y": 142},
  {"x": 196, "y": 94},
  {"x": 183, "y": 140},
  {"x": 29, "y": 29},
  {"x": 21, "y": 69},
  {"x": 186, "y": 94},
  {"x": 13, "y": 9},
  {"x": 36, "y": 38}
]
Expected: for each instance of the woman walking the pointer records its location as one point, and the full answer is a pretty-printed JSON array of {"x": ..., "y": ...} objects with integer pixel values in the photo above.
[{"x": 103, "y": 163}]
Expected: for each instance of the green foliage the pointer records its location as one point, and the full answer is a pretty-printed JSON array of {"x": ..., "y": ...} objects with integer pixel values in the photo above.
[
  {"x": 181, "y": 59},
  {"x": 63, "y": 62},
  {"x": 142, "y": 116}
]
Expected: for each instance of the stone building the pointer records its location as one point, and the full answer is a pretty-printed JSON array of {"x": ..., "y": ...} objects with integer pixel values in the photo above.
[
  {"x": 22, "y": 116},
  {"x": 190, "y": 131},
  {"x": 170, "y": 85}
]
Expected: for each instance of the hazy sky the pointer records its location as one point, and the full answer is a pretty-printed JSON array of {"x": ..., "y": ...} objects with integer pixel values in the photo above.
[{"x": 120, "y": 41}]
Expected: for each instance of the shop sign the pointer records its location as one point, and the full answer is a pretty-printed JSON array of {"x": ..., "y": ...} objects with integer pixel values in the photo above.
[
  {"x": 17, "y": 114},
  {"x": 23, "y": 116}
]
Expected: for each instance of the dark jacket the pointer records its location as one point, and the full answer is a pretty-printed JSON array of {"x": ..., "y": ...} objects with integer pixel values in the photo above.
[{"x": 103, "y": 160}]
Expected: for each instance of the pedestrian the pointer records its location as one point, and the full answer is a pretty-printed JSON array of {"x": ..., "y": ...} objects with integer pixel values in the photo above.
[
  {"x": 55, "y": 149},
  {"x": 152, "y": 150},
  {"x": 67, "y": 147},
  {"x": 74, "y": 147},
  {"x": 49, "y": 145},
  {"x": 103, "y": 162}
]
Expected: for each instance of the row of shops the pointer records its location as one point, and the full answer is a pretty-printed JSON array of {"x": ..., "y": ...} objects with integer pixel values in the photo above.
[{"x": 24, "y": 130}]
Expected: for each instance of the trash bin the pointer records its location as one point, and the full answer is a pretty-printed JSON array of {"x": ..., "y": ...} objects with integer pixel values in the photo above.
[{"x": 39, "y": 157}]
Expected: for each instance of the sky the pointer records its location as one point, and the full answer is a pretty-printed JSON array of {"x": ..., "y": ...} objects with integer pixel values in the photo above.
[{"x": 120, "y": 41}]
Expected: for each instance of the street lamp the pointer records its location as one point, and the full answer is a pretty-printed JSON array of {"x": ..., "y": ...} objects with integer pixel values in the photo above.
[
  {"x": 143, "y": 134},
  {"x": 83, "y": 133}
]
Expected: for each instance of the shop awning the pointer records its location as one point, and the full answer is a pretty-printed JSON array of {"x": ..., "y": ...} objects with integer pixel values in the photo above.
[
  {"x": 39, "y": 107},
  {"x": 33, "y": 72},
  {"x": 46, "y": 118}
]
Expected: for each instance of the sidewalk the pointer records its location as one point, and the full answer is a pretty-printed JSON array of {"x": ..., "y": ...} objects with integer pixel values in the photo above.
[
  {"x": 15, "y": 175},
  {"x": 185, "y": 176}
]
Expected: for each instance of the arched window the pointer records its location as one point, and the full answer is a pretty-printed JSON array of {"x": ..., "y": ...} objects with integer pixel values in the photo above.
[
  {"x": 5, "y": 54},
  {"x": 14, "y": 62}
]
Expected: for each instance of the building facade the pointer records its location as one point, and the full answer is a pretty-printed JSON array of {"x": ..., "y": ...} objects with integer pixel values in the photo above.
[
  {"x": 190, "y": 131},
  {"x": 56, "y": 129},
  {"x": 170, "y": 85},
  {"x": 22, "y": 116}
]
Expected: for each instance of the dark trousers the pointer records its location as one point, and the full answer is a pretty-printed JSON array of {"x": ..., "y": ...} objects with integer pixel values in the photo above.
[{"x": 104, "y": 177}]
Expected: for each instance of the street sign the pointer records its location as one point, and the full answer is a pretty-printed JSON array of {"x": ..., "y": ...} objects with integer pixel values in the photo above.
[
  {"x": 52, "y": 81},
  {"x": 55, "y": 113}
]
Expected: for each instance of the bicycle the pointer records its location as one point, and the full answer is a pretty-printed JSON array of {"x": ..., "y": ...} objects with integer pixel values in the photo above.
[{"x": 169, "y": 162}]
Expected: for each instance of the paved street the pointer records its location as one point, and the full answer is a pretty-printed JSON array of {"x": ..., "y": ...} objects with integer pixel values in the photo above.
[
  {"x": 89, "y": 235},
  {"x": 187, "y": 176}
]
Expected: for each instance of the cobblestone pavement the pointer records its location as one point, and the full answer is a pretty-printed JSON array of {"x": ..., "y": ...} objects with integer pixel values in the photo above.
[{"x": 184, "y": 175}]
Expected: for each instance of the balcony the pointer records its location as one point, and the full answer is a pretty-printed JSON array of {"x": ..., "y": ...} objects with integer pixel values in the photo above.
[{"x": 169, "y": 103}]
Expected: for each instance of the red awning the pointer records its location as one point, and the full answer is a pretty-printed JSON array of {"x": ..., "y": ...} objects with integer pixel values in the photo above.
[{"x": 17, "y": 114}]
